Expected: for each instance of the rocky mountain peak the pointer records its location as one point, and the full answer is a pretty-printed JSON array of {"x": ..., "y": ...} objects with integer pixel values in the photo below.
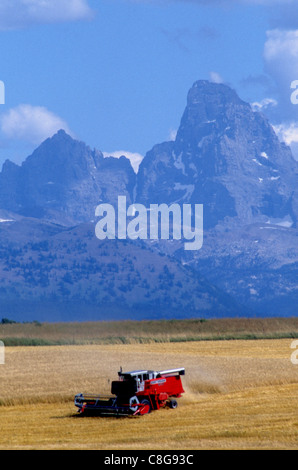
[
  {"x": 213, "y": 99},
  {"x": 210, "y": 105},
  {"x": 62, "y": 158},
  {"x": 225, "y": 156},
  {"x": 63, "y": 181}
]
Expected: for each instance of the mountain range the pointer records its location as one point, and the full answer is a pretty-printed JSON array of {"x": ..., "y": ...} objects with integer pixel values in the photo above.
[{"x": 225, "y": 156}]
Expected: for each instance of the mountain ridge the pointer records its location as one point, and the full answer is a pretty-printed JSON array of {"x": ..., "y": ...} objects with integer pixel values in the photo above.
[{"x": 225, "y": 156}]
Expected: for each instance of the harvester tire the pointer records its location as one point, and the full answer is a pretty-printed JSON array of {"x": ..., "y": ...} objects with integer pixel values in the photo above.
[
  {"x": 133, "y": 404},
  {"x": 173, "y": 404},
  {"x": 147, "y": 406}
]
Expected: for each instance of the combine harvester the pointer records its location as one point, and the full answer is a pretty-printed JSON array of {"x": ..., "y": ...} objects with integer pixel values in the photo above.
[{"x": 135, "y": 393}]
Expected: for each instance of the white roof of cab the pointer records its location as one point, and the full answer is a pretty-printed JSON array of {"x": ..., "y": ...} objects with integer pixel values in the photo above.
[{"x": 136, "y": 372}]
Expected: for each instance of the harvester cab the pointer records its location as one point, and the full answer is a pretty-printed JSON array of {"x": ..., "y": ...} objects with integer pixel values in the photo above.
[
  {"x": 136, "y": 392},
  {"x": 138, "y": 377}
]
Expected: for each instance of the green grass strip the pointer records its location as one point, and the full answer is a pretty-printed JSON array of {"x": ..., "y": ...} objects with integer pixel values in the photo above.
[{"x": 14, "y": 341}]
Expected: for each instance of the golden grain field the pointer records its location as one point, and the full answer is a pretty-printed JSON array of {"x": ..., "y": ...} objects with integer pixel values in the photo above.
[{"x": 239, "y": 395}]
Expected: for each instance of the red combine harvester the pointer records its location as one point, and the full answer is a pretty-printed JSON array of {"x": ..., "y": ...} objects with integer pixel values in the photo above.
[{"x": 135, "y": 393}]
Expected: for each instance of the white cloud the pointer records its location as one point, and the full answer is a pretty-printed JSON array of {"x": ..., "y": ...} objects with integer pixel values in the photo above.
[
  {"x": 281, "y": 64},
  {"x": 172, "y": 134},
  {"x": 16, "y": 14},
  {"x": 215, "y": 77},
  {"x": 264, "y": 104},
  {"x": 32, "y": 124},
  {"x": 135, "y": 158},
  {"x": 280, "y": 42},
  {"x": 288, "y": 133}
]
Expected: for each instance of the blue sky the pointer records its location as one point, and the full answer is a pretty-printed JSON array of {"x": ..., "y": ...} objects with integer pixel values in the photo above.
[{"x": 115, "y": 73}]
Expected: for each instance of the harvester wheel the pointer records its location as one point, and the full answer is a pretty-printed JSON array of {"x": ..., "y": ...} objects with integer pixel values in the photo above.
[
  {"x": 173, "y": 404},
  {"x": 133, "y": 404},
  {"x": 146, "y": 408}
]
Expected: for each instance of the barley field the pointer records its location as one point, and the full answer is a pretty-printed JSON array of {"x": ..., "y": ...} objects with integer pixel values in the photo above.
[{"x": 239, "y": 394}]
